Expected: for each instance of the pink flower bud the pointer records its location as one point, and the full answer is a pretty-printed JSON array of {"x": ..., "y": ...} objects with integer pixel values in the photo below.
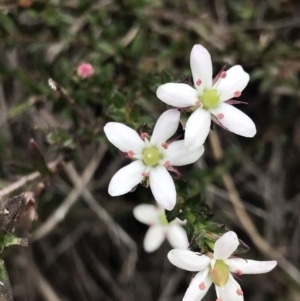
[{"x": 85, "y": 70}]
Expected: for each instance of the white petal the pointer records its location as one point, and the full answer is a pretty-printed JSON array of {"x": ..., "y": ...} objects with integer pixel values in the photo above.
[
  {"x": 194, "y": 293},
  {"x": 201, "y": 68},
  {"x": 234, "y": 120},
  {"x": 177, "y": 95},
  {"x": 188, "y": 260},
  {"x": 177, "y": 237},
  {"x": 162, "y": 187},
  {"x": 165, "y": 126},
  {"x": 154, "y": 238},
  {"x": 247, "y": 266},
  {"x": 231, "y": 291},
  {"x": 197, "y": 129},
  {"x": 147, "y": 214},
  {"x": 178, "y": 155},
  {"x": 236, "y": 80},
  {"x": 123, "y": 137},
  {"x": 126, "y": 178},
  {"x": 225, "y": 245}
]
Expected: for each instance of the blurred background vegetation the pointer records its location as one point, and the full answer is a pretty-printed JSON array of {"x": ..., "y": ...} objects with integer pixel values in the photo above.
[{"x": 86, "y": 245}]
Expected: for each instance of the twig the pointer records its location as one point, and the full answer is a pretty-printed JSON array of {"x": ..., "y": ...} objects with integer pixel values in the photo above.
[
  {"x": 129, "y": 266},
  {"x": 27, "y": 179},
  {"x": 44, "y": 287},
  {"x": 244, "y": 218},
  {"x": 72, "y": 197}
]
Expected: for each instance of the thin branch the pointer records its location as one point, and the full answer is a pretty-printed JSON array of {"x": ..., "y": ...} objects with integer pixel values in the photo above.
[
  {"x": 129, "y": 265},
  {"x": 245, "y": 219},
  {"x": 25, "y": 180},
  {"x": 44, "y": 287},
  {"x": 72, "y": 197}
]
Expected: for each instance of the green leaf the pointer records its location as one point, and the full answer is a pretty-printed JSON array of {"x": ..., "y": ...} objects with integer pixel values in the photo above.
[
  {"x": 7, "y": 23},
  {"x": 20, "y": 108},
  {"x": 6, "y": 293}
]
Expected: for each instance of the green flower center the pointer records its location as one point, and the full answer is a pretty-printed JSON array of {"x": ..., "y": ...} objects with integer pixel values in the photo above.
[
  {"x": 151, "y": 156},
  {"x": 220, "y": 273},
  {"x": 163, "y": 219},
  {"x": 210, "y": 99}
]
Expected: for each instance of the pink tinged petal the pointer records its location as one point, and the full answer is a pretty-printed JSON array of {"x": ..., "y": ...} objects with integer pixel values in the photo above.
[
  {"x": 246, "y": 266},
  {"x": 188, "y": 260},
  {"x": 123, "y": 137},
  {"x": 198, "y": 287},
  {"x": 225, "y": 245},
  {"x": 165, "y": 126},
  {"x": 178, "y": 155},
  {"x": 162, "y": 187},
  {"x": 177, "y": 95},
  {"x": 126, "y": 178},
  {"x": 146, "y": 214},
  {"x": 234, "y": 83},
  {"x": 177, "y": 237},
  {"x": 231, "y": 291},
  {"x": 154, "y": 238},
  {"x": 197, "y": 129},
  {"x": 234, "y": 120},
  {"x": 201, "y": 66}
]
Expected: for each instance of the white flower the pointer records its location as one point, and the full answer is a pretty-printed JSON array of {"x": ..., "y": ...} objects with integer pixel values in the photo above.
[
  {"x": 208, "y": 98},
  {"x": 217, "y": 268},
  {"x": 159, "y": 228},
  {"x": 151, "y": 158}
]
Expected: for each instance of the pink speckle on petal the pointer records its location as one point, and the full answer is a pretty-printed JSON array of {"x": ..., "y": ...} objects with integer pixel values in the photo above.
[
  {"x": 85, "y": 70},
  {"x": 145, "y": 174},
  {"x": 165, "y": 145},
  {"x": 223, "y": 74},
  {"x": 202, "y": 286},
  {"x": 167, "y": 164},
  {"x": 144, "y": 135},
  {"x": 198, "y": 82},
  {"x": 239, "y": 292},
  {"x": 238, "y": 272},
  {"x": 237, "y": 93},
  {"x": 130, "y": 154},
  {"x": 220, "y": 116}
]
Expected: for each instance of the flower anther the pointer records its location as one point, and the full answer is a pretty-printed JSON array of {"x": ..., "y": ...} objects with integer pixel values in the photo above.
[
  {"x": 223, "y": 74},
  {"x": 238, "y": 272},
  {"x": 165, "y": 145},
  {"x": 167, "y": 164},
  {"x": 198, "y": 82},
  {"x": 198, "y": 104},
  {"x": 145, "y": 174},
  {"x": 202, "y": 286},
  {"x": 237, "y": 93},
  {"x": 130, "y": 154},
  {"x": 239, "y": 292},
  {"x": 144, "y": 135},
  {"x": 220, "y": 116}
]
